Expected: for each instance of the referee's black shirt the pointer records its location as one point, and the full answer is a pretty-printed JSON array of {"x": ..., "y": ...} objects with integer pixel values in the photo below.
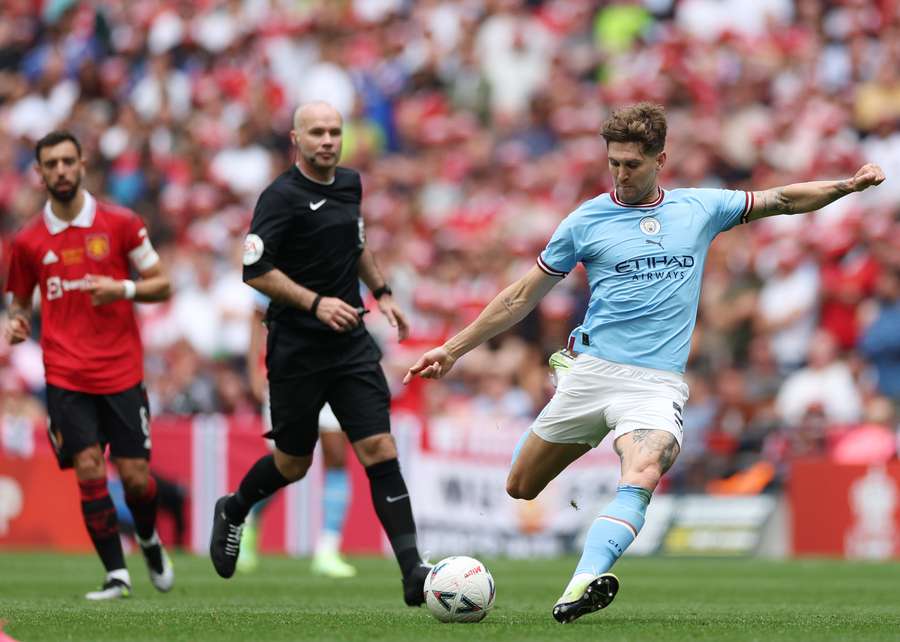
[{"x": 314, "y": 234}]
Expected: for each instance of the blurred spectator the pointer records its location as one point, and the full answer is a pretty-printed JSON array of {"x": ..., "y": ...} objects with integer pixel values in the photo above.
[
  {"x": 870, "y": 443},
  {"x": 162, "y": 92},
  {"x": 788, "y": 304},
  {"x": 848, "y": 272},
  {"x": 514, "y": 49},
  {"x": 246, "y": 168},
  {"x": 824, "y": 389},
  {"x": 880, "y": 342}
]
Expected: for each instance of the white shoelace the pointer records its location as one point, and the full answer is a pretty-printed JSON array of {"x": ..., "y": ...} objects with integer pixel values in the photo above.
[{"x": 233, "y": 539}]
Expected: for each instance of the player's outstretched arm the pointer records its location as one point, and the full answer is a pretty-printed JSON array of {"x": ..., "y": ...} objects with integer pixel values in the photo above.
[
  {"x": 507, "y": 309},
  {"x": 806, "y": 197}
]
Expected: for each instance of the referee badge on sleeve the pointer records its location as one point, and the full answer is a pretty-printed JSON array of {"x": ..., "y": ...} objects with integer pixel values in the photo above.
[{"x": 253, "y": 249}]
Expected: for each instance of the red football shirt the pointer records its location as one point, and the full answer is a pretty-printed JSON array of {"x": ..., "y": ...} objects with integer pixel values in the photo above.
[{"x": 94, "y": 349}]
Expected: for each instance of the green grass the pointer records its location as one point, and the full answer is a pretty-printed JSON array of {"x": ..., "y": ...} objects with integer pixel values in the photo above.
[{"x": 40, "y": 596}]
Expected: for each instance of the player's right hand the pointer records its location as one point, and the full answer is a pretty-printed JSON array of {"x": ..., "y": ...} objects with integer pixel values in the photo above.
[
  {"x": 434, "y": 364},
  {"x": 337, "y": 314},
  {"x": 866, "y": 176},
  {"x": 17, "y": 329}
]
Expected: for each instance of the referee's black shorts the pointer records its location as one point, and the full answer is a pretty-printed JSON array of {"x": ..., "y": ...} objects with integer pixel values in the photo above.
[{"x": 350, "y": 380}]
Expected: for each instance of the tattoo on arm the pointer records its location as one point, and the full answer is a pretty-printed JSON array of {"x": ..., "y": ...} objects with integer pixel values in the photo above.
[
  {"x": 658, "y": 444},
  {"x": 799, "y": 197},
  {"x": 775, "y": 200},
  {"x": 843, "y": 188}
]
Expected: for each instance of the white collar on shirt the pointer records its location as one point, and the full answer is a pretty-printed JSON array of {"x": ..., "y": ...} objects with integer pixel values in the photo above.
[{"x": 85, "y": 217}]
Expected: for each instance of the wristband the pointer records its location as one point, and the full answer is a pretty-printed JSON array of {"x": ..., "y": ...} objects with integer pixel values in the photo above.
[
  {"x": 380, "y": 292},
  {"x": 315, "y": 304},
  {"x": 130, "y": 288}
]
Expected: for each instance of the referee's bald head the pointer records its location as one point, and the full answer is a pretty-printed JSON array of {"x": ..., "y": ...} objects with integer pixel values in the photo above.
[
  {"x": 317, "y": 134},
  {"x": 309, "y": 112}
]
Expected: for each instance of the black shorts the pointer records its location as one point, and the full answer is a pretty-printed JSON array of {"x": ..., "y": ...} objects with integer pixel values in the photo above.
[
  {"x": 358, "y": 395},
  {"x": 81, "y": 419}
]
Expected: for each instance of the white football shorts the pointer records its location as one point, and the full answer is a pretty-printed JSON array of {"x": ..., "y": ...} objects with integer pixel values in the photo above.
[
  {"x": 596, "y": 396},
  {"x": 327, "y": 421}
]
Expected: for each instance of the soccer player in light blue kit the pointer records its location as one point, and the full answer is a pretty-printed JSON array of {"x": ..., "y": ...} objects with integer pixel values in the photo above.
[{"x": 644, "y": 249}]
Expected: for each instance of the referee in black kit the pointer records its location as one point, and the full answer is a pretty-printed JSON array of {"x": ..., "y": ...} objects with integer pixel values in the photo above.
[{"x": 306, "y": 251}]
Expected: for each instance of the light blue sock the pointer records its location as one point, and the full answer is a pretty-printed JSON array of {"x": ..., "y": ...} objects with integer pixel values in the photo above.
[
  {"x": 614, "y": 530},
  {"x": 336, "y": 499},
  {"x": 519, "y": 445}
]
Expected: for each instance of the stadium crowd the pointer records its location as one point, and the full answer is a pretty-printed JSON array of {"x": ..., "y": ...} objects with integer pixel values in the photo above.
[{"x": 475, "y": 126}]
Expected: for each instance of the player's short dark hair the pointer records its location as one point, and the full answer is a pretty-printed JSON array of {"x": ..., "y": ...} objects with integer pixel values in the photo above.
[
  {"x": 643, "y": 123},
  {"x": 53, "y": 139}
]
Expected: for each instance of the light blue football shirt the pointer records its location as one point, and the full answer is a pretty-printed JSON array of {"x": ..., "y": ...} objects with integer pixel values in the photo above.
[{"x": 644, "y": 266}]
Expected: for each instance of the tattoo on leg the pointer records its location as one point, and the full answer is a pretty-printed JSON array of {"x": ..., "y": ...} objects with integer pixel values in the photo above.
[
  {"x": 659, "y": 444},
  {"x": 668, "y": 455}
]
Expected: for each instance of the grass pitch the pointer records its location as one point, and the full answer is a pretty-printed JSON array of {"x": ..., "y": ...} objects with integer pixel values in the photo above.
[{"x": 660, "y": 599}]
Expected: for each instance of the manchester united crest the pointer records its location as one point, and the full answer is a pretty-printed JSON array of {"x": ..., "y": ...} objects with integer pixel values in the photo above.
[{"x": 97, "y": 246}]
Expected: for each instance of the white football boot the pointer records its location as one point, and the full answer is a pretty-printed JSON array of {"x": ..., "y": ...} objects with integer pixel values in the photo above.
[
  {"x": 116, "y": 586},
  {"x": 162, "y": 574}
]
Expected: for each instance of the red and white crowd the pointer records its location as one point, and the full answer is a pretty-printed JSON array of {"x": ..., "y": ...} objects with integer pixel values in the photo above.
[{"x": 475, "y": 125}]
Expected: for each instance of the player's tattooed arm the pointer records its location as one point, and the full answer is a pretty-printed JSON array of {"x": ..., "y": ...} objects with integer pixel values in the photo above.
[
  {"x": 504, "y": 311},
  {"x": 18, "y": 323},
  {"x": 807, "y": 197}
]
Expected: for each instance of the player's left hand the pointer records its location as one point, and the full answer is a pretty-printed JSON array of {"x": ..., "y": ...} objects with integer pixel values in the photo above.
[
  {"x": 866, "y": 176},
  {"x": 17, "y": 329},
  {"x": 394, "y": 316},
  {"x": 104, "y": 289}
]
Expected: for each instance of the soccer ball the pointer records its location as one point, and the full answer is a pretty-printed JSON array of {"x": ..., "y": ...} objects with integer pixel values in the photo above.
[{"x": 459, "y": 589}]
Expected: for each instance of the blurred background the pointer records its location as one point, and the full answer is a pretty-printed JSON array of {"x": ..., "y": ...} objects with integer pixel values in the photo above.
[{"x": 475, "y": 126}]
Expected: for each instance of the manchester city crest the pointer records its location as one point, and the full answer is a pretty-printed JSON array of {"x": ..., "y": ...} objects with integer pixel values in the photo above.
[{"x": 650, "y": 225}]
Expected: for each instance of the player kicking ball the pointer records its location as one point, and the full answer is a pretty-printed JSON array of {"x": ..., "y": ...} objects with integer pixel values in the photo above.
[
  {"x": 79, "y": 251},
  {"x": 644, "y": 249}
]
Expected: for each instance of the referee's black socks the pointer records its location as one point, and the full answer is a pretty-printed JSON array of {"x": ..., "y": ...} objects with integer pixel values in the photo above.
[
  {"x": 261, "y": 481},
  {"x": 394, "y": 510}
]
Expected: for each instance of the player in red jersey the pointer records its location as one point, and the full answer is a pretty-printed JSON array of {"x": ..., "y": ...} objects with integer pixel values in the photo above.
[{"x": 80, "y": 253}]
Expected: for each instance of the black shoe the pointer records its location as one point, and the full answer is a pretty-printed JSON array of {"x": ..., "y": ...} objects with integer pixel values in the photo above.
[
  {"x": 225, "y": 543},
  {"x": 598, "y": 594},
  {"x": 414, "y": 585}
]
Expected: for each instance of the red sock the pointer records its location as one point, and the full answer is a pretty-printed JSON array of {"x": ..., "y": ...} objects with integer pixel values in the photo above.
[{"x": 102, "y": 524}]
